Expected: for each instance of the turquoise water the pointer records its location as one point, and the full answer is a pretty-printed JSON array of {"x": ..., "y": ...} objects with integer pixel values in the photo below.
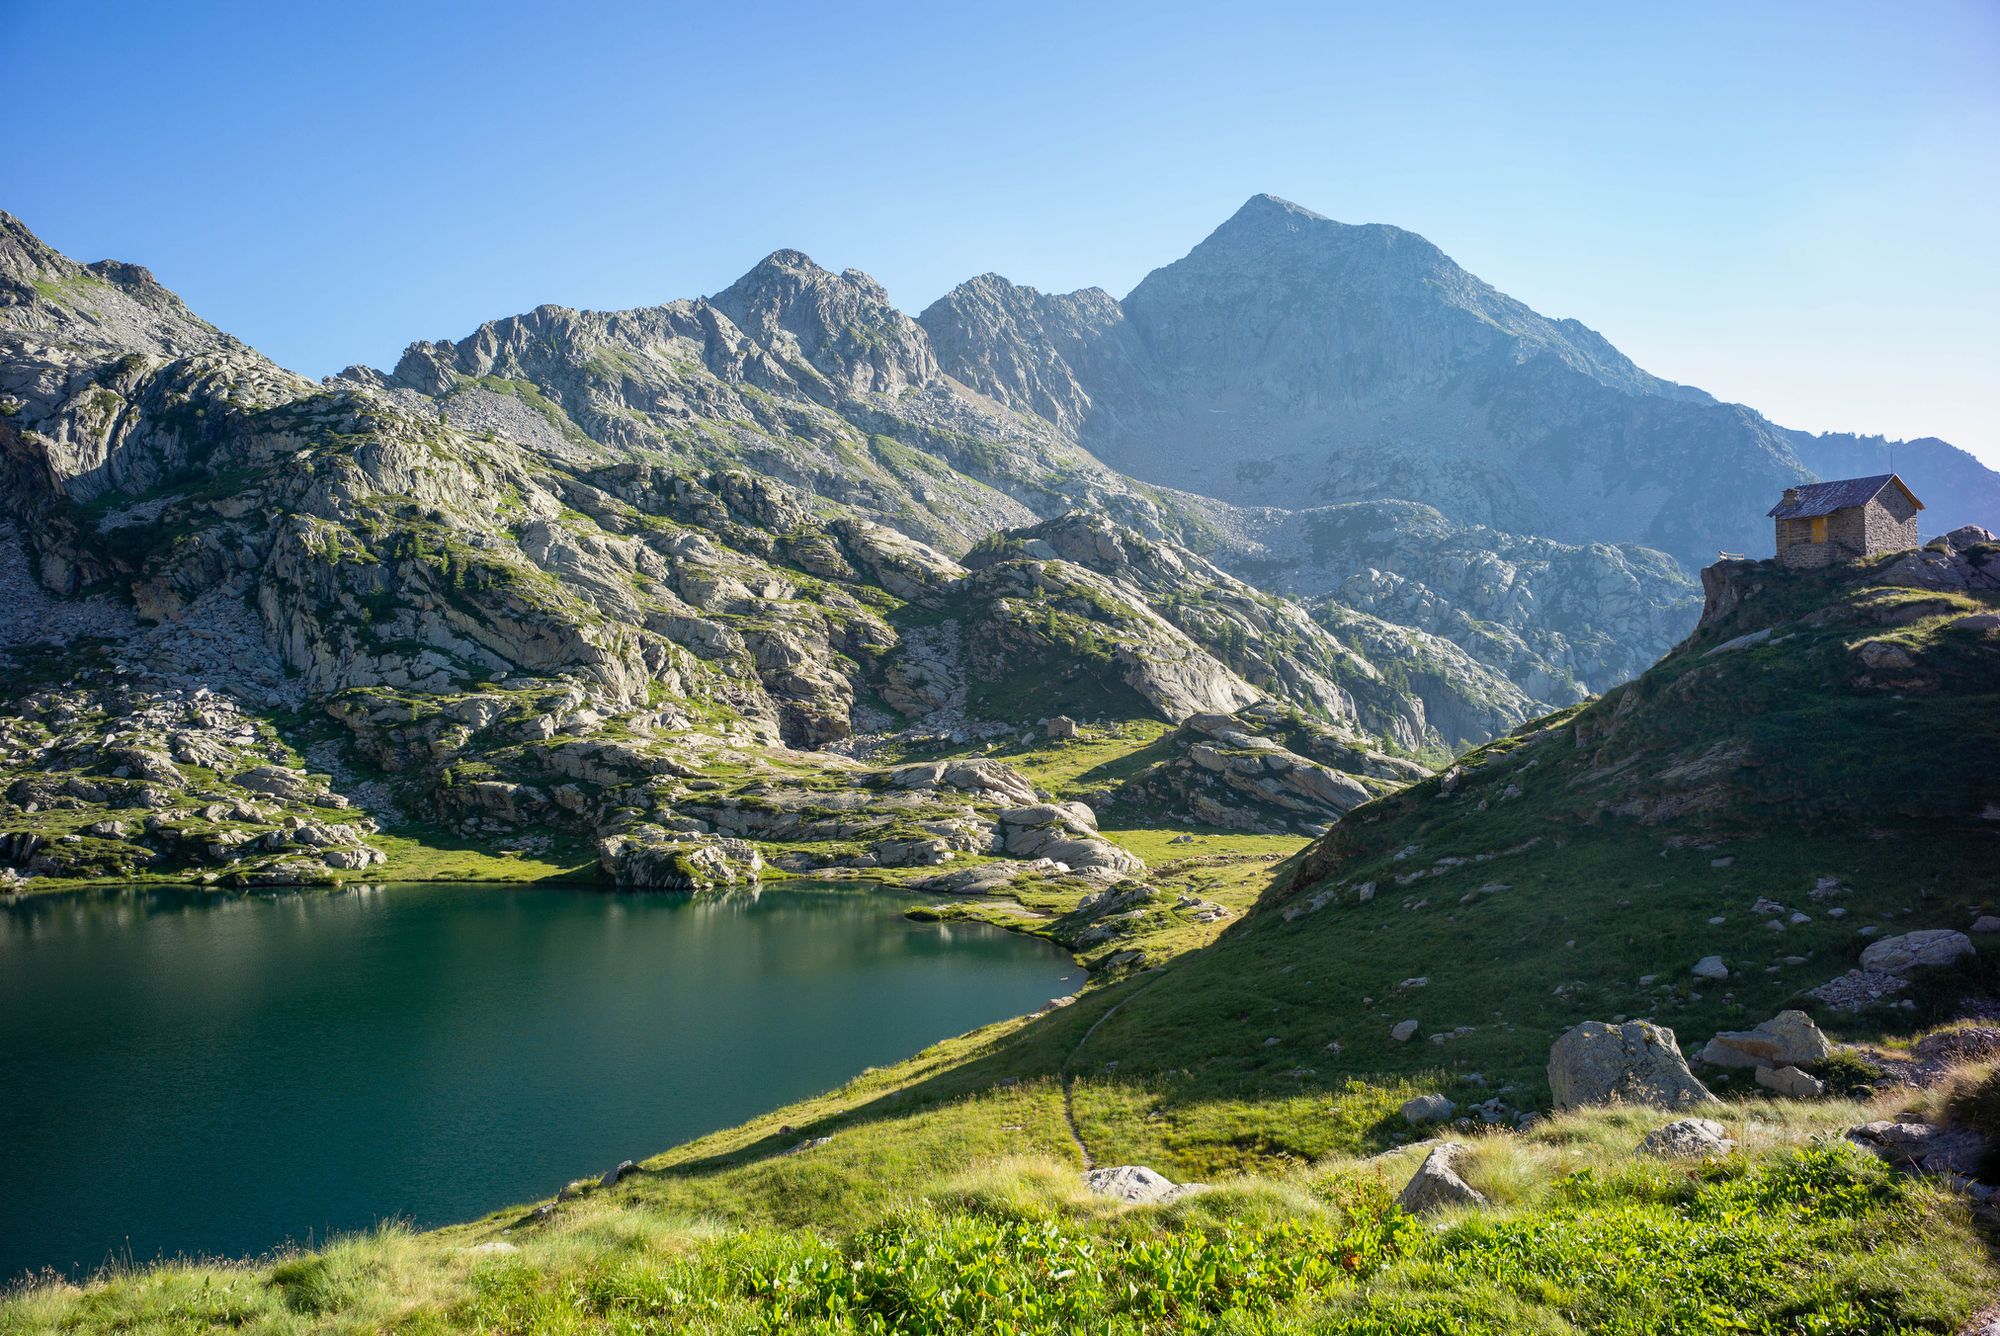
[{"x": 187, "y": 1073}]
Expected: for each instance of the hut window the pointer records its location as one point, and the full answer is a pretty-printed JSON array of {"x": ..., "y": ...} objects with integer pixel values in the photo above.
[{"x": 1819, "y": 528}]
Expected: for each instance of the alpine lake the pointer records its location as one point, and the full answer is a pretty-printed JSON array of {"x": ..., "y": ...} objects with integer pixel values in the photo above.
[{"x": 194, "y": 1073}]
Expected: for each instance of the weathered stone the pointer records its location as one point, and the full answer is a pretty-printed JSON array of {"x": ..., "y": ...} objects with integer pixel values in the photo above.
[
  {"x": 1137, "y": 1185},
  {"x": 1788, "y": 1039},
  {"x": 1403, "y": 1031},
  {"x": 1790, "y": 1082},
  {"x": 1426, "y": 1109},
  {"x": 1688, "y": 1138},
  {"x": 1711, "y": 967},
  {"x": 1631, "y": 1063},
  {"x": 1884, "y": 655},
  {"x": 1927, "y": 948},
  {"x": 1436, "y": 1185},
  {"x": 1065, "y": 833},
  {"x": 1921, "y": 1147}
]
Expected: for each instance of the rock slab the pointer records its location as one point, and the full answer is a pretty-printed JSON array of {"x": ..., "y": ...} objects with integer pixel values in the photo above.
[
  {"x": 1927, "y": 948},
  {"x": 1788, "y": 1039}
]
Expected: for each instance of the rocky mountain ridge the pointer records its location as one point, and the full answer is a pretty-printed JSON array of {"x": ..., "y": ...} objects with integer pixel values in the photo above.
[
  {"x": 813, "y": 377},
  {"x": 1289, "y": 355},
  {"x": 436, "y": 601},
  {"x": 627, "y": 576}
]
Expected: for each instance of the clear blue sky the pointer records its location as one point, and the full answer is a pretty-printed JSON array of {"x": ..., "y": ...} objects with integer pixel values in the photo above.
[{"x": 1792, "y": 205}]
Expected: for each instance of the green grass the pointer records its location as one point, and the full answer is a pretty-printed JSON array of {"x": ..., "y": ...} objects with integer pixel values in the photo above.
[
  {"x": 1089, "y": 765},
  {"x": 1793, "y": 1235},
  {"x": 433, "y": 855}
]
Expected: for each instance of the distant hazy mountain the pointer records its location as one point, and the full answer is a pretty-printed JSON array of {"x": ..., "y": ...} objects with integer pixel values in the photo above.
[{"x": 1292, "y": 361}]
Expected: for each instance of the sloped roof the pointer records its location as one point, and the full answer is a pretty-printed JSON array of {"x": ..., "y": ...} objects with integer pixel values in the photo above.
[{"x": 1823, "y": 498}]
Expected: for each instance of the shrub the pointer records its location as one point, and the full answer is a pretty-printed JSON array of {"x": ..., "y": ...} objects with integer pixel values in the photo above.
[{"x": 1848, "y": 1075}]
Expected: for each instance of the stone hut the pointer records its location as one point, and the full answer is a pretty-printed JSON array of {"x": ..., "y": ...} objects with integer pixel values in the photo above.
[{"x": 1820, "y": 523}]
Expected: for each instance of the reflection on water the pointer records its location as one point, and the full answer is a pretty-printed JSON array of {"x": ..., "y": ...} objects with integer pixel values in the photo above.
[{"x": 187, "y": 1072}]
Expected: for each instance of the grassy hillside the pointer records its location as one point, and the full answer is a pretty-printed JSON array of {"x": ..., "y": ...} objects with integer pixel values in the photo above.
[{"x": 1575, "y": 870}]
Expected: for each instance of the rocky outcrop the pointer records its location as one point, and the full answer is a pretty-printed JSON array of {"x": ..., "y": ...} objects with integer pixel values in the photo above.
[
  {"x": 979, "y": 776},
  {"x": 1270, "y": 642},
  {"x": 1044, "y": 612},
  {"x": 647, "y": 857},
  {"x": 1241, "y": 772},
  {"x": 1066, "y": 834},
  {"x": 1631, "y": 1063}
]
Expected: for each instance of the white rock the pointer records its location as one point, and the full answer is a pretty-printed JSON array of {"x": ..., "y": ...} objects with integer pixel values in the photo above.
[
  {"x": 1790, "y": 1082},
  {"x": 1426, "y": 1109},
  {"x": 1788, "y": 1039},
  {"x": 1925, "y": 948},
  {"x": 1688, "y": 1138},
  {"x": 1137, "y": 1184}
]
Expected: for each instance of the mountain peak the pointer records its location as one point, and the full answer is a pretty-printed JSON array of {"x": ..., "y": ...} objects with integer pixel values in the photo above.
[
  {"x": 787, "y": 259},
  {"x": 24, "y": 256},
  {"x": 841, "y": 323},
  {"x": 1268, "y": 206}
]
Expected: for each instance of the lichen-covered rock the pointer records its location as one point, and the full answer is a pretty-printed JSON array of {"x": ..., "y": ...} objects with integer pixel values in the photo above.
[{"x": 1631, "y": 1063}]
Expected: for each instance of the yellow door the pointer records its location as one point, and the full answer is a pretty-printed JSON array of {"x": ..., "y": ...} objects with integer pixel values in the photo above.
[{"x": 1819, "y": 528}]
